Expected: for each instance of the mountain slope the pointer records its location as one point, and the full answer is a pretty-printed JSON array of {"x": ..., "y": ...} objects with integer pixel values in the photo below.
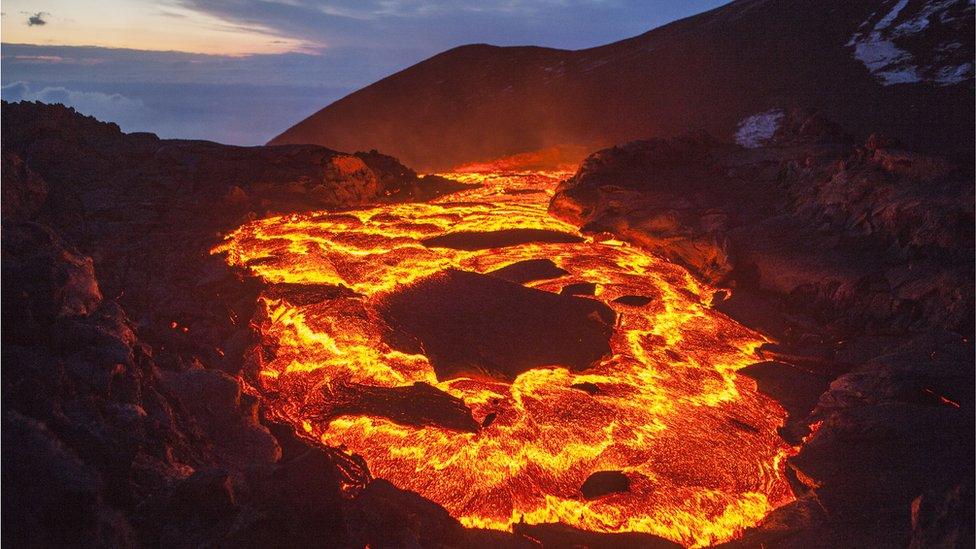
[{"x": 897, "y": 66}]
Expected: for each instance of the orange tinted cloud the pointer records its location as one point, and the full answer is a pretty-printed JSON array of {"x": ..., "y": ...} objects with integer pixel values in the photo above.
[{"x": 139, "y": 25}]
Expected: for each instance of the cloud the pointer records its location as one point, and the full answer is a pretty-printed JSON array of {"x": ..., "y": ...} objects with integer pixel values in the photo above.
[
  {"x": 240, "y": 114},
  {"x": 248, "y": 99},
  {"x": 428, "y": 26},
  {"x": 103, "y": 106},
  {"x": 38, "y": 58},
  {"x": 37, "y": 19}
]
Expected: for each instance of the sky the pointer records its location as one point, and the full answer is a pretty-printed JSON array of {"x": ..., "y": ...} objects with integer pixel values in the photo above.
[{"x": 242, "y": 71}]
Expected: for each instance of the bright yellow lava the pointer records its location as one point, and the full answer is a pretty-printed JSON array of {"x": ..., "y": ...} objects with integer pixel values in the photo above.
[{"x": 697, "y": 442}]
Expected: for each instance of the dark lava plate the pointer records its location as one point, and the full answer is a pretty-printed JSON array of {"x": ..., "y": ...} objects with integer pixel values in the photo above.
[
  {"x": 472, "y": 323},
  {"x": 476, "y": 240},
  {"x": 529, "y": 270}
]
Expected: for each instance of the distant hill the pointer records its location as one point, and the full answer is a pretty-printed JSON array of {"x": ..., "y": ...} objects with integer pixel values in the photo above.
[{"x": 901, "y": 67}]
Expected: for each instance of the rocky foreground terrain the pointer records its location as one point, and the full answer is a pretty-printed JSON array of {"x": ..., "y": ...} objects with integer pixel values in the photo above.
[
  {"x": 858, "y": 260},
  {"x": 124, "y": 423}
]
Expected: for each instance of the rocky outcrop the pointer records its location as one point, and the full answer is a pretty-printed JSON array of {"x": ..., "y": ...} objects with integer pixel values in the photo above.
[
  {"x": 890, "y": 456},
  {"x": 23, "y": 190},
  {"x": 92, "y": 429},
  {"x": 124, "y": 423},
  {"x": 667, "y": 196},
  {"x": 50, "y": 280},
  {"x": 940, "y": 518},
  {"x": 867, "y": 237},
  {"x": 103, "y": 447},
  {"x": 147, "y": 211},
  {"x": 859, "y": 261}
]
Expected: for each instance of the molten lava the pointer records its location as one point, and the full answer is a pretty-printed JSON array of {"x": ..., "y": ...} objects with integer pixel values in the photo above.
[{"x": 697, "y": 442}]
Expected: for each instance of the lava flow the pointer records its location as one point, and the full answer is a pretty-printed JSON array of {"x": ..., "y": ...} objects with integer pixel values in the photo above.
[{"x": 697, "y": 443}]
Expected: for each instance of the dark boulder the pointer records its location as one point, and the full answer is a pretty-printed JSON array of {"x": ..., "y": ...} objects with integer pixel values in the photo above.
[{"x": 602, "y": 483}]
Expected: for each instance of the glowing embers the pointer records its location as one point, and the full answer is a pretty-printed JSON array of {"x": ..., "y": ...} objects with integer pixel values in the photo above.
[{"x": 697, "y": 444}]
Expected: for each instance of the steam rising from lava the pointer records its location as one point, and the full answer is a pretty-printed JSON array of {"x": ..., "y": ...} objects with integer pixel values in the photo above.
[{"x": 698, "y": 443}]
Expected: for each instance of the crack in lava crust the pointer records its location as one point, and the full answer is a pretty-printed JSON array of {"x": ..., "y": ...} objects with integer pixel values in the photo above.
[{"x": 698, "y": 443}]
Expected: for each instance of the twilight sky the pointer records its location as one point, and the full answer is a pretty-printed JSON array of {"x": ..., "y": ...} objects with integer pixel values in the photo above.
[{"x": 241, "y": 71}]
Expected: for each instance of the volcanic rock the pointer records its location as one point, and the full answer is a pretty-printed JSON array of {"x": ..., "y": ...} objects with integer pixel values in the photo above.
[
  {"x": 602, "y": 483},
  {"x": 561, "y": 535},
  {"x": 868, "y": 457},
  {"x": 633, "y": 300},
  {"x": 206, "y": 491},
  {"x": 859, "y": 261},
  {"x": 114, "y": 432},
  {"x": 52, "y": 497},
  {"x": 529, "y": 270},
  {"x": 475, "y": 240},
  {"x": 835, "y": 228},
  {"x": 875, "y": 66},
  {"x": 383, "y": 516},
  {"x": 796, "y": 390},
  {"x": 299, "y": 504},
  {"x": 418, "y": 405},
  {"x": 468, "y": 323},
  {"x": 148, "y": 211},
  {"x": 23, "y": 190},
  {"x": 228, "y": 416},
  {"x": 942, "y": 518},
  {"x": 580, "y": 288},
  {"x": 895, "y": 428},
  {"x": 401, "y": 183},
  {"x": 43, "y": 277},
  {"x": 197, "y": 509}
]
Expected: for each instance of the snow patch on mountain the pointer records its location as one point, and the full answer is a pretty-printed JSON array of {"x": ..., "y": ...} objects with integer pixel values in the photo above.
[
  {"x": 882, "y": 48},
  {"x": 756, "y": 130}
]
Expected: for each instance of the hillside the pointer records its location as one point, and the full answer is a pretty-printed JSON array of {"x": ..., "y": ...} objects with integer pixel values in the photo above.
[{"x": 895, "y": 66}]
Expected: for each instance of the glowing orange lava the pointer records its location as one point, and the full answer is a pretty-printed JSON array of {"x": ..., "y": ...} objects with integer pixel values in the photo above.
[{"x": 698, "y": 442}]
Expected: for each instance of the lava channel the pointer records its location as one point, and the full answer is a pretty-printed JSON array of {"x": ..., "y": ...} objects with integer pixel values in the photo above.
[{"x": 690, "y": 448}]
